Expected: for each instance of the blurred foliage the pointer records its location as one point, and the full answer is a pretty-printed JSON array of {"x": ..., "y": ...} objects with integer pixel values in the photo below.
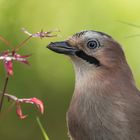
[{"x": 50, "y": 76}]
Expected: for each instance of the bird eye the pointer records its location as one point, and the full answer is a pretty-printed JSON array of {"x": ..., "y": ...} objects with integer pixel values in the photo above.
[{"x": 93, "y": 44}]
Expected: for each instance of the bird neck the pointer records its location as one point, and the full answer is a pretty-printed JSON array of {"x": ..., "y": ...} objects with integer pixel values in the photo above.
[
  {"x": 98, "y": 101},
  {"x": 89, "y": 79},
  {"x": 96, "y": 84}
]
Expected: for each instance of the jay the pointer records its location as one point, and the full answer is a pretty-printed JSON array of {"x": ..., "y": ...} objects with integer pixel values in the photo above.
[{"x": 106, "y": 102}]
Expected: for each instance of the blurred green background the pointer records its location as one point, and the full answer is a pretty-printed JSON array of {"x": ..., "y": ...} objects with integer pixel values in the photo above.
[{"x": 50, "y": 76}]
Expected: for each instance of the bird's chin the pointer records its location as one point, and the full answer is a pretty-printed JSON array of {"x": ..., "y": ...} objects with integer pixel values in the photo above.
[{"x": 62, "y": 47}]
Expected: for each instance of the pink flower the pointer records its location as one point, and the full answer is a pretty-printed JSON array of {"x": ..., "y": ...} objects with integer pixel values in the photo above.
[
  {"x": 35, "y": 101},
  {"x": 40, "y": 34},
  {"x": 8, "y": 57},
  {"x": 19, "y": 111}
]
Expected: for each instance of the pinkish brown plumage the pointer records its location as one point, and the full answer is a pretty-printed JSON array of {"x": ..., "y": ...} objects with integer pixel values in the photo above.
[{"x": 105, "y": 104}]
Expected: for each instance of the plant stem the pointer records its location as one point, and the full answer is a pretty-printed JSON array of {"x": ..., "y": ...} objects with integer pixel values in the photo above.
[
  {"x": 21, "y": 44},
  {"x": 5, "y": 41},
  {"x": 130, "y": 24},
  {"x": 42, "y": 129},
  {"x": 3, "y": 92}
]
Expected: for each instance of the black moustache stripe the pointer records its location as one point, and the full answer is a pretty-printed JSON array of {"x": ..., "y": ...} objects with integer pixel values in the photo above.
[{"x": 88, "y": 58}]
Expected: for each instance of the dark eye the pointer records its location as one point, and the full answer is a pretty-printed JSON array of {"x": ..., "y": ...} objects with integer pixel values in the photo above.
[{"x": 93, "y": 44}]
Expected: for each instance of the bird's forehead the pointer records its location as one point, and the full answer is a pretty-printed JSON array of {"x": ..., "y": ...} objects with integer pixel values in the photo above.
[{"x": 91, "y": 34}]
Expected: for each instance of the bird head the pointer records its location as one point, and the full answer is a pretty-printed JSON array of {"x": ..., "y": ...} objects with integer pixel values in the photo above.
[
  {"x": 96, "y": 57},
  {"x": 91, "y": 50}
]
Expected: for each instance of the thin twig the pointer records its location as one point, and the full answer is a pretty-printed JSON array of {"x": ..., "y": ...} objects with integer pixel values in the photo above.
[
  {"x": 5, "y": 41},
  {"x": 3, "y": 92},
  {"x": 10, "y": 97},
  {"x": 130, "y": 24},
  {"x": 131, "y": 36},
  {"x": 21, "y": 44}
]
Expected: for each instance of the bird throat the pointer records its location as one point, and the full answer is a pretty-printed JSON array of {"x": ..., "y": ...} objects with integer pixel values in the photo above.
[{"x": 88, "y": 58}]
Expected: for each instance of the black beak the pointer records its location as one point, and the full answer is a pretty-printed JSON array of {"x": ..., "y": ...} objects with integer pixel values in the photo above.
[{"x": 62, "y": 47}]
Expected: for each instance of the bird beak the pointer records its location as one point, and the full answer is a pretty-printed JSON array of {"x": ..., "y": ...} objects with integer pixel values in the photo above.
[{"x": 62, "y": 47}]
